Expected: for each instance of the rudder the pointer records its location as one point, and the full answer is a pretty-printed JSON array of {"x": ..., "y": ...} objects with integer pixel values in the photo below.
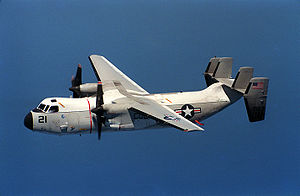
[
  {"x": 217, "y": 69},
  {"x": 242, "y": 79},
  {"x": 255, "y": 98}
]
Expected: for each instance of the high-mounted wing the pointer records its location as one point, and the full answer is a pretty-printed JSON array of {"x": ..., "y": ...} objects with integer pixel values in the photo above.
[
  {"x": 108, "y": 72},
  {"x": 165, "y": 114},
  {"x": 158, "y": 111}
]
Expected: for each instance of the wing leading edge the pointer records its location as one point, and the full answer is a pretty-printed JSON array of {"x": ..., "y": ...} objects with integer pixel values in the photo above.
[
  {"x": 165, "y": 114},
  {"x": 108, "y": 72},
  {"x": 158, "y": 111}
]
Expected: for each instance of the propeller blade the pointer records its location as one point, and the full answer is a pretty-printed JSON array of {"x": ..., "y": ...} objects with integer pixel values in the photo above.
[
  {"x": 76, "y": 82},
  {"x": 78, "y": 77},
  {"x": 99, "y": 119},
  {"x": 73, "y": 80},
  {"x": 98, "y": 110},
  {"x": 99, "y": 100}
]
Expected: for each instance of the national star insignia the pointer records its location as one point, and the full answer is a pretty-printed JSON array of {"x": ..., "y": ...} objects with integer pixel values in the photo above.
[{"x": 187, "y": 111}]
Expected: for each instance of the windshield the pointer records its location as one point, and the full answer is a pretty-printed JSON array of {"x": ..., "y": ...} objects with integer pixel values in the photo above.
[
  {"x": 45, "y": 110},
  {"x": 41, "y": 106},
  {"x": 53, "y": 109}
]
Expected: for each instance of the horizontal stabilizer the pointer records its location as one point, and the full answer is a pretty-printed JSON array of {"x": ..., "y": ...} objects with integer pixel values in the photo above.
[
  {"x": 255, "y": 98},
  {"x": 242, "y": 79}
]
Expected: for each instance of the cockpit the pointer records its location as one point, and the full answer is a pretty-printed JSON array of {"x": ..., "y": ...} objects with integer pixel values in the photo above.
[{"x": 47, "y": 108}]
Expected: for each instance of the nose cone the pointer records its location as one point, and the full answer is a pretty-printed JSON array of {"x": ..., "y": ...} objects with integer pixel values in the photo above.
[{"x": 28, "y": 122}]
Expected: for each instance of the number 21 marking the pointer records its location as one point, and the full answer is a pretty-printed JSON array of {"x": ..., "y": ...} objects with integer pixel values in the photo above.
[{"x": 42, "y": 119}]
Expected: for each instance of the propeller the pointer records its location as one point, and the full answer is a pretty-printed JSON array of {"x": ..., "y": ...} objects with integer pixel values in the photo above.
[
  {"x": 76, "y": 82},
  {"x": 99, "y": 111}
]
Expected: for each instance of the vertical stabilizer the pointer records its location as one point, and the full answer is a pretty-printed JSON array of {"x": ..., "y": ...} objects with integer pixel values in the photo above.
[
  {"x": 255, "y": 98},
  {"x": 217, "y": 69},
  {"x": 212, "y": 65},
  {"x": 224, "y": 68},
  {"x": 242, "y": 79}
]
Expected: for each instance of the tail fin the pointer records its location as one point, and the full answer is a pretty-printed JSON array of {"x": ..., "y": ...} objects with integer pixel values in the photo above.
[
  {"x": 255, "y": 98},
  {"x": 224, "y": 68},
  {"x": 218, "y": 68},
  {"x": 254, "y": 90},
  {"x": 242, "y": 79}
]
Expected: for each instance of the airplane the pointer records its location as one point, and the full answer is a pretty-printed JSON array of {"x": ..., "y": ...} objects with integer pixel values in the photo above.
[{"x": 117, "y": 103}]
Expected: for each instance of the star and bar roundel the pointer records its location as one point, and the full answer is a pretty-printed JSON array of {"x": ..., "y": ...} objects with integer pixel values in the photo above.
[{"x": 188, "y": 111}]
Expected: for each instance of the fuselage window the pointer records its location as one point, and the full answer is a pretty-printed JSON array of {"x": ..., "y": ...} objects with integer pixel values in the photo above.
[
  {"x": 53, "y": 109},
  {"x": 45, "y": 110},
  {"x": 41, "y": 106}
]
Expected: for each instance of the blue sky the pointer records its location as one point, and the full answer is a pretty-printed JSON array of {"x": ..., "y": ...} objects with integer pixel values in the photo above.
[{"x": 164, "y": 46}]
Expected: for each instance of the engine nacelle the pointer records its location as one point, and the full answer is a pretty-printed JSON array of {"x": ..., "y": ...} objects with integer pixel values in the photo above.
[
  {"x": 85, "y": 90},
  {"x": 118, "y": 117},
  {"x": 90, "y": 88},
  {"x": 121, "y": 126}
]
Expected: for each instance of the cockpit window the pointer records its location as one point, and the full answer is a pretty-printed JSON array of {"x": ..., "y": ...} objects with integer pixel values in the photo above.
[
  {"x": 41, "y": 106},
  {"x": 45, "y": 110},
  {"x": 53, "y": 109}
]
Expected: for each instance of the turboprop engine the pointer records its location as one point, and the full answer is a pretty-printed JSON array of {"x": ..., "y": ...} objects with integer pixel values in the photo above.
[
  {"x": 86, "y": 89},
  {"x": 79, "y": 89}
]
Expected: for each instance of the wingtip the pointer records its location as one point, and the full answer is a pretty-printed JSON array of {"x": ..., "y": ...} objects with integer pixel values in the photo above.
[
  {"x": 96, "y": 55},
  {"x": 199, "y": 128},
  {"x": 192, "y": 130}
]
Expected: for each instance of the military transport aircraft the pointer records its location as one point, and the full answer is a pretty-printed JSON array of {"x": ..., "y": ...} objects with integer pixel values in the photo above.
[{"x": 118, "y": 103}]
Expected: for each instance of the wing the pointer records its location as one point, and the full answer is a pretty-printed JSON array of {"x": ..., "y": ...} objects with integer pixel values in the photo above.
[
  {"x": 108, "y": 72},
  {"x": 158, "y": 111},
  {"x": 165, "y": 114}
]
